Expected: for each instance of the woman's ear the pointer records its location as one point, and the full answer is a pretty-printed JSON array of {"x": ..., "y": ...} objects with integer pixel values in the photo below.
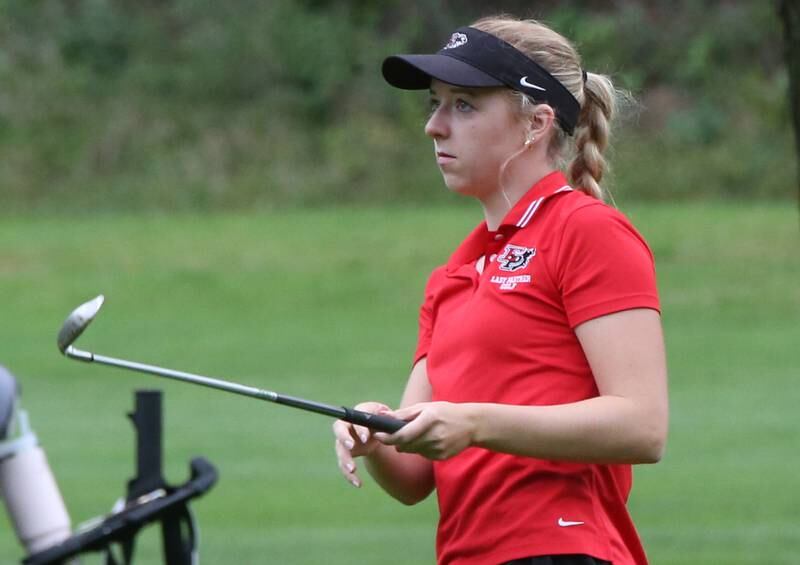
[{"x": 541, "y": 121}]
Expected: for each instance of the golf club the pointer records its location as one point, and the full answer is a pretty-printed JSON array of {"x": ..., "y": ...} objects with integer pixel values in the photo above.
[{"x": 82, "y": 316}]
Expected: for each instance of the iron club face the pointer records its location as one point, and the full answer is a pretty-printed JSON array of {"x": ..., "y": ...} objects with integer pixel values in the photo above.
[{"x": 77, "y": 321}]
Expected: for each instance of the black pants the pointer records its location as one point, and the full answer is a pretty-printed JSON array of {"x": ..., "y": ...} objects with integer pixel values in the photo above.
[{"x": 558, "y": 560}]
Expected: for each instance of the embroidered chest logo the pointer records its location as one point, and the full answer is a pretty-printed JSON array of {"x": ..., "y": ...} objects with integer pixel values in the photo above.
[{"x": 514, "y": 258}]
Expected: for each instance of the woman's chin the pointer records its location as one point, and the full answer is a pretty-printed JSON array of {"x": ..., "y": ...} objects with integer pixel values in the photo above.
[
  {"x": 453, "y": 185},
  {"x": 461, "y": 189}
]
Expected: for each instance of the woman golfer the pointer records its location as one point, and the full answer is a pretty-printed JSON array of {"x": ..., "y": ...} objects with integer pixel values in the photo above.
[{"x": 539, "y": 375}]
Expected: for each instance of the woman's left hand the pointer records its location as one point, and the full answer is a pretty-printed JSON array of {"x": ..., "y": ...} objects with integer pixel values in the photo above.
[{"x": 435, "y": 430}]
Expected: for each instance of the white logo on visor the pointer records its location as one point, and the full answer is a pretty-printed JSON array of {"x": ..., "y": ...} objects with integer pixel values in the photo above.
[
  {"x": 456, "y": 40},
  {"x": 524, "y": 82}
]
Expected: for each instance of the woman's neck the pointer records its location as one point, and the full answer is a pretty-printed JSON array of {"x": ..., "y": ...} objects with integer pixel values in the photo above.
[{"x": 497, "y": 203}]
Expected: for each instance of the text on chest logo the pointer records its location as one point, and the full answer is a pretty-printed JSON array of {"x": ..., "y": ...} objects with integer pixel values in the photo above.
[{"x": 510, "y": 283}]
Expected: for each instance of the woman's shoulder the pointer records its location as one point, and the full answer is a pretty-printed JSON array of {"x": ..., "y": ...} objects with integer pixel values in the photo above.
[
  {"x": 583, "y": 224},
  {"x": 577, "y": 203},
  {"x": 577, "y": 211}
]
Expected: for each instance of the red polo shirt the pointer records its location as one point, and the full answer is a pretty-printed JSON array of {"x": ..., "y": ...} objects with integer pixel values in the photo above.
[{"x": 559, "y": 258}]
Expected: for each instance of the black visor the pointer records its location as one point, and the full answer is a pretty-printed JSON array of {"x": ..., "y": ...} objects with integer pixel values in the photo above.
[{"x": 474, "y": 58}]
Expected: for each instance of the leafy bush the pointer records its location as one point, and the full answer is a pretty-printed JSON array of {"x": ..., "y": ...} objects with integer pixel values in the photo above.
[{"x": 185, "y": 104}]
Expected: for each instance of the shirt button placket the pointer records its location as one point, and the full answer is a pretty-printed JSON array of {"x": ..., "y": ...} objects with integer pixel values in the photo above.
[{"x": 494, "y": 245}]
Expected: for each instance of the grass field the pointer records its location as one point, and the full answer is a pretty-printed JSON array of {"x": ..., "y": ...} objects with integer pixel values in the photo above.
[{"x": 323, "y": 304}]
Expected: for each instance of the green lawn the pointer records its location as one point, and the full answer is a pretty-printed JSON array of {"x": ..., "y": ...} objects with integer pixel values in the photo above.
[{"x": 323, "y": 304}]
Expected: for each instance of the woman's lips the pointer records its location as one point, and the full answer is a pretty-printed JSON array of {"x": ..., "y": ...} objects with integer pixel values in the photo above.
[{"x": 443, "y": 158}]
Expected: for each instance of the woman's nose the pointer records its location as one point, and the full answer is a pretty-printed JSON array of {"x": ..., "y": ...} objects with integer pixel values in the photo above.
[{"x": 437, "y": 127}]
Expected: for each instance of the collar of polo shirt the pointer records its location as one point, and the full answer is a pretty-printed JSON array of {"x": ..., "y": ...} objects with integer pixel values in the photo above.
[{"x": 519, "y": 217}]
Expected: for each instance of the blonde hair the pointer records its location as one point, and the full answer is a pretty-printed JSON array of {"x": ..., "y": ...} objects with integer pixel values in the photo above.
[{"x": 596, "y": 96}]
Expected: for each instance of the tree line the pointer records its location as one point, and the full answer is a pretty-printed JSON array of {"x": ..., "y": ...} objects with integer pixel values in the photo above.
[{"x": 188, "y": 104}]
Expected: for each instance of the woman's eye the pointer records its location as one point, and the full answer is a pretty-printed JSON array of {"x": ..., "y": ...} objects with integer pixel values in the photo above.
[
  {"x": 433, "y": 105},
  {"x": 463, "y": 106}
]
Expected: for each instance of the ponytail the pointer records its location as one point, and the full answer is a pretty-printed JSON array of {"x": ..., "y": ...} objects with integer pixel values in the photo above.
[{"x": 592, "y": 134}]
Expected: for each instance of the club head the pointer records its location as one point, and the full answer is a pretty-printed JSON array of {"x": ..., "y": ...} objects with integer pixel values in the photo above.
[{"x": 77, "y": 321}]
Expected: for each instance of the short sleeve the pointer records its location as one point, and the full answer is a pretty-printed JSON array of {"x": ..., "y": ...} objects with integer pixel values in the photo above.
[
  {"x": 603, "y": 265},
  {"x": 427, "y": 315}
]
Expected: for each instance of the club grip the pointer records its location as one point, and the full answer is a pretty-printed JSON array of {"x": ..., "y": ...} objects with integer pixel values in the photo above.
[{"x": 373, "y": 421}]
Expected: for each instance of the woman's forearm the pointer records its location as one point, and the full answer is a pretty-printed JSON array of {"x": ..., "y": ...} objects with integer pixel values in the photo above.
[
  {"x": 606, "y": 429},
  {"x": 408, "y": 477}
]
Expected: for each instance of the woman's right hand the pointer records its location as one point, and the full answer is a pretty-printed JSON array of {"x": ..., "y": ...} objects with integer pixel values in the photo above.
[{"x": 355, "y": 441}]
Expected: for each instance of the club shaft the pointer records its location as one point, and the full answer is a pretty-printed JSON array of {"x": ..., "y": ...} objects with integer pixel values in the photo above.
[
  {"x": 186, "y": 377},
  {"x": 380, "y": 423}
]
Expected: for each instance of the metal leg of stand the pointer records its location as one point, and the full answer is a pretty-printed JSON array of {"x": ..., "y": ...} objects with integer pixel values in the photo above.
[{"x": 177, "y": 530}]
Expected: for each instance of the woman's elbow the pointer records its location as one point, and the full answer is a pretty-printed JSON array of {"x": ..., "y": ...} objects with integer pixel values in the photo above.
[
  {"x": 410, "y": 500},
  {"x": 415, "y": 487},
  {"x": 413, "y": 496},
  {"x": 652, "y": 442},
  {"x": 653, "y": 450}
]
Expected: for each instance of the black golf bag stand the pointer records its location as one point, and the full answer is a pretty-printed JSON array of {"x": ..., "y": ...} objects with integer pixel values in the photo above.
[{"x": 149, "y": 499}]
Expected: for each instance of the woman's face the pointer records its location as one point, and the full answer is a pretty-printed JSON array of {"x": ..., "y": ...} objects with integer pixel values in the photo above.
[{"x": 474, "y": 131}]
